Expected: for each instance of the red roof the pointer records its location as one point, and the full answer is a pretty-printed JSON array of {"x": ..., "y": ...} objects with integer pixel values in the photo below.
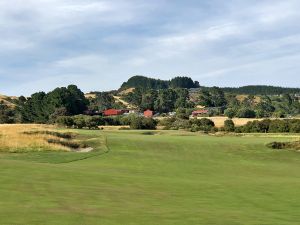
[
  {"x": 113, "y": 112},
  {"x": 148, "y": 113},
  {"x": 202, "y": 111}
]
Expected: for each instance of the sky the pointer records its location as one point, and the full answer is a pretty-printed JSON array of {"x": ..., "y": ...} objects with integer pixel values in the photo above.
[{"x": 99, "y": 44}]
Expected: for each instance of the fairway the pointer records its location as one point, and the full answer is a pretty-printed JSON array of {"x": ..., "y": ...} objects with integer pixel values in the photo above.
[{"x": 161, "y": 177}]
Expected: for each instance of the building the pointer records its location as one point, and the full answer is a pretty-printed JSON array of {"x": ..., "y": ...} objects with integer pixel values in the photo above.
[
  {"x": 148, "y": 113},
  {"x": 114, "y": 112},
  {"x": 92, "y": 113},
  {"x": 200, "y": 112}
]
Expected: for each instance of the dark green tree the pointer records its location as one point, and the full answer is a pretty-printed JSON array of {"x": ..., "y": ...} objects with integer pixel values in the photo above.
[{"x": 229, "y": 126}]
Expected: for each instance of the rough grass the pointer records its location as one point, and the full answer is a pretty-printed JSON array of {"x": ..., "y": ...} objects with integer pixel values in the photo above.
[
  {"x": 166, "y": 179},
  {"x": 37, "y": 138},
  {"x": 16, "y": 138},
  {"x": 67, "y": 135}
]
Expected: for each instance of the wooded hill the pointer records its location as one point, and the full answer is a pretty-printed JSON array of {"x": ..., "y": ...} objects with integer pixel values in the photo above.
[
  {"x": 155, "y": 84},
  {"x": 186, "y": 82}
]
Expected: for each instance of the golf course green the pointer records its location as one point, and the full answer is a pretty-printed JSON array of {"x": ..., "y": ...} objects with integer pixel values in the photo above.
[{"x": 154, "y": 178}]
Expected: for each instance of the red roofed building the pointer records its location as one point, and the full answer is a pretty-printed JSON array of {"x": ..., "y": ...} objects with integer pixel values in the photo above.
[
  {"x": 200, "y": 112},
  {"x": 148, "y": 113},
  {"x": 113, "y": 112}
]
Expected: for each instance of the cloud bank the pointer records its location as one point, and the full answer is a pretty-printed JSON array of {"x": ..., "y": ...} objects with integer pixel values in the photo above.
[{"x": 98, "y": 44}]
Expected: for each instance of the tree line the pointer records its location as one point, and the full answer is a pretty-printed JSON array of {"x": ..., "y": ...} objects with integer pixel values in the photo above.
[
  {"x": 93, "y": 122},
  {"x": 44, "y": 107},
  {"x": 161, "y": 101},
  {"x": 206, "y": 125},
  {"x": 261, "y": 90}
]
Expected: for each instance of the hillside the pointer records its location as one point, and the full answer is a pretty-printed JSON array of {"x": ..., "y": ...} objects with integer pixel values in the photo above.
[{"x": 7, "y": 100}]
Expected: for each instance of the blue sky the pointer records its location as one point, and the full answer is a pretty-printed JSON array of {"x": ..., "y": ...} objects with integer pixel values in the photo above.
[{"x": 98, "y": 44}]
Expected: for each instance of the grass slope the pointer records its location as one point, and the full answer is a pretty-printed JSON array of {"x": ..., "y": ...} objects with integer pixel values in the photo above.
[{"x": 169, "y": 178}]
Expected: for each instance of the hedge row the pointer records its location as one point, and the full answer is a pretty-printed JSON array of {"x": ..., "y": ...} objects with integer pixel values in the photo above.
[
  {"x": 93, "y": 122},
  {"x": 271, "y": 126}
]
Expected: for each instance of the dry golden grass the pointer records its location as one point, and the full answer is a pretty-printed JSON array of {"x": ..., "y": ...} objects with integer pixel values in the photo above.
[
  {"x": 4, "y": 99},
  {"x": 113, "y": 127},
  {"x": 119, "y": 100},
  {"x": 219, "y": 121},
  {"x": 13, "y": 139},
  {"x": 91, "y": 96},
  {"x": 127, "y": 91},
  {"x": 241, "y": 98}
]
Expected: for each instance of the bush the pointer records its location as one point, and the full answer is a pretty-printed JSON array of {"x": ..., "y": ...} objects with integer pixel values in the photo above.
[
  {"x": 93, "y": 122},
  {"x": 256, "y": 126},
  {"x": 271, "y": 126},
  {"x": 229, "y": 126},
  {"x": 203, "y": 124},
  {"x": 295, "y": 126},
  {"x": 80, "y": 121},
  {"x": 65, "y": 121},
  {"x": 175, "y": 123},
  {"x": 183, "y": 113},
  {"x": 230, "y": 113},
  {"x": 245, "y": 113},
  {"x": 167, "y": 122},
  {"x": 279, "y": 126},
  {"x": 141, "y": 123}
]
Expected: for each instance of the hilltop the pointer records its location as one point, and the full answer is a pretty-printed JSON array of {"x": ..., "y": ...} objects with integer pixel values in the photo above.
[
  {"x": 147, "y": 83},
  {"x": 151, "y": 83},
  {"x": 8, "y": 100}
]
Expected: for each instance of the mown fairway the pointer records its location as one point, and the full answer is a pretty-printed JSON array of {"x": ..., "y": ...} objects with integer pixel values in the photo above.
[{"x": 168, "y": 178}]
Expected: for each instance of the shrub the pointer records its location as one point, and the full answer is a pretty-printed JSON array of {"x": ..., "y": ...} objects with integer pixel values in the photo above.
[
  {"x": 167, "y": 122},
  {"x": 245, "y": 113},
  {"x": 65, "y": 121},
  {"x": 183, "y": 113},
  {"x": 141, "y": 123},
  {"x": 271, "y": 126},
  {"x": 230, "y": 113},
  {"x": 93, "y": 122},
  {"x": 295, "y": 126},
  {"x": 229, "y": 126},
  {"x": 79, "y": 121},
  {"x": 181, "y": 124},
  {"x": 203, "y": 124},
  {"x": 279, "y": 126}
]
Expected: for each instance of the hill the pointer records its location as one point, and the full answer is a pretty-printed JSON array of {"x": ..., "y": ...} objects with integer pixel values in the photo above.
[{"x": 151, "y": 83}]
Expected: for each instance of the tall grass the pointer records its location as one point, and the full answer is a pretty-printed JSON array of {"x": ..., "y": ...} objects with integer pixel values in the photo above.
[{"x": 16, "y": 138}]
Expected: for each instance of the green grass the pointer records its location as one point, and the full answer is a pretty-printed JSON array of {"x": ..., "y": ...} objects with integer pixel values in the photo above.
[{"x": 173, "y": 178}]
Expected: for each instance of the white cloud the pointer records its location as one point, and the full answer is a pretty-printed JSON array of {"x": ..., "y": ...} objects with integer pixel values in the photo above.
[{"x": 100, "y": 43}]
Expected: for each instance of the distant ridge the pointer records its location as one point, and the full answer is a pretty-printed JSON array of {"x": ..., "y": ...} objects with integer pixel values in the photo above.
[
  {"x": 144, "y": 82},
  {"x": 261, "y": 90}
]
